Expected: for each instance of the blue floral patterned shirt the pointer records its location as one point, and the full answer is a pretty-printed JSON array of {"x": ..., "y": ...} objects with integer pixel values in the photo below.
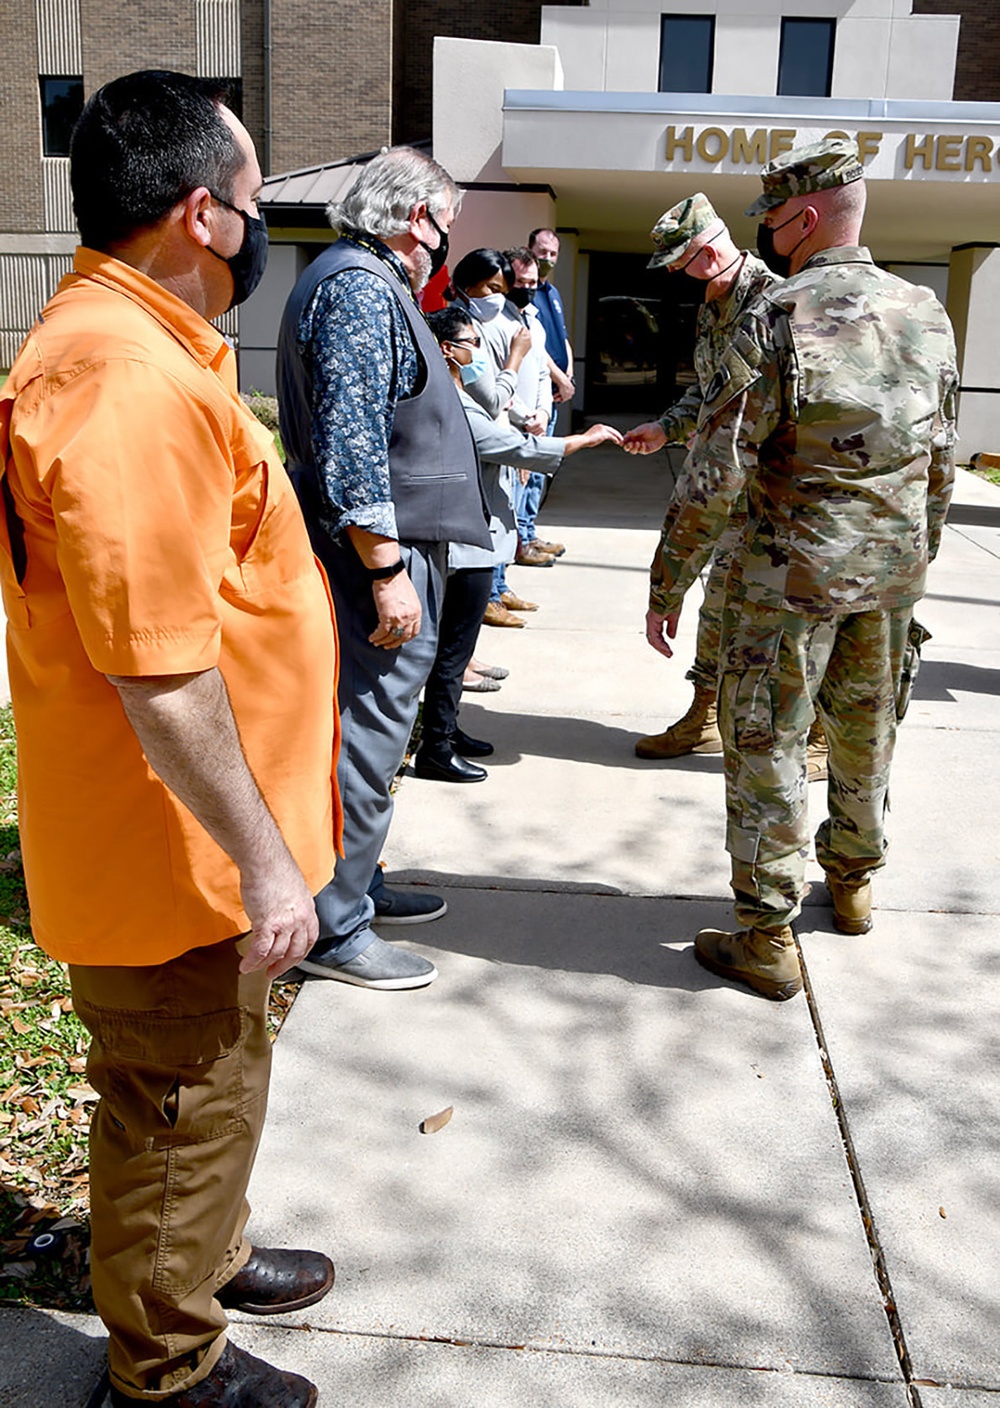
[{"x": 356, "y": 344}]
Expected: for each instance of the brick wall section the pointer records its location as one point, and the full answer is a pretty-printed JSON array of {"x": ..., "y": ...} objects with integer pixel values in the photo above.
[
  {"x": 331, "y": 77},
  {"x": 143, "y": 34},
  {"x": 977, "y": 72},
  {"x": 252, "y": 71},
  {"x": 509, "y": 21},
  {"x": 21, "y": 208}
]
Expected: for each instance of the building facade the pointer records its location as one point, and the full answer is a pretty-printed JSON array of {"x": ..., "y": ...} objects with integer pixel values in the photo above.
[
  {"x": 314, "y": 80},
  {"x": 649, "y": 101},
  {"x": 592, "y": 118}
]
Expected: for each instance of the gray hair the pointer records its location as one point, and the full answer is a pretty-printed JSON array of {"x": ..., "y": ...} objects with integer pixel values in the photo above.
[{"x": 383, "y": 195}]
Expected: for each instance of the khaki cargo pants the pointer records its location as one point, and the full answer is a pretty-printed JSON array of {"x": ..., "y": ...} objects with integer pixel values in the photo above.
[
  {"x": 778, "y": 670},
  {"x": 181, "y": 1058}
]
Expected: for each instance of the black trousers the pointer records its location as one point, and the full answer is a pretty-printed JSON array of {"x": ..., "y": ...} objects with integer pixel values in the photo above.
[{"x": 465, "y": 596}]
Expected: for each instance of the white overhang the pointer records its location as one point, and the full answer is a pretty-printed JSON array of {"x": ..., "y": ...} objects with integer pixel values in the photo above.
[{"x": 617, "y": 160}]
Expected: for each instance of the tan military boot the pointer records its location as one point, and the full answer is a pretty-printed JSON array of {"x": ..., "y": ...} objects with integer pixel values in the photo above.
[
  {"x": 817, "y": 752},
  {"x": 852, "y": 906},
  {"x": 766, "y": 962},
  {"x": 696, "y": 732}
]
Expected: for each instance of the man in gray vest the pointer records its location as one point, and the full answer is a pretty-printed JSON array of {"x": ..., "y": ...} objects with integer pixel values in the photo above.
[{"x": 385, "y": 468}]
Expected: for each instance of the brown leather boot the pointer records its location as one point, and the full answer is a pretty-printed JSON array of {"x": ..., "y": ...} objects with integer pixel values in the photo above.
[
  {"x": 238, "y": 1380},
  {"x": 852, "y": 906},
  {"x": 817, "y": 752},
  {"x": 696, "y": 732},
  {"x": 766, "y": 962},
  {"x": 276, "y": 1280}
]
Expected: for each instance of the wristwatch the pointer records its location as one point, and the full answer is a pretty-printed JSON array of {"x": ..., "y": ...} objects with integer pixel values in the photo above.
[{"x": 382, "y": 574}]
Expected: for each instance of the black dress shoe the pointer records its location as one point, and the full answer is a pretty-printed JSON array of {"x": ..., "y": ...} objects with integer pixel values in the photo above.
[
  {"x": 237, "y": 1381},
  {"x": 275, "y": 1280},
  {"x": 448, "y": 767},
  {"x": 468, "y": 747}
]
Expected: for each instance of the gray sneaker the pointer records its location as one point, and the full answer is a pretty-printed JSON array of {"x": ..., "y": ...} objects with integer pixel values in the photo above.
[{"x": 380, "y": 965}]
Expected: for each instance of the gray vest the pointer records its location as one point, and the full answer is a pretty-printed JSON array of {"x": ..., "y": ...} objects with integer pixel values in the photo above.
[{"x": 433, "y": 471}]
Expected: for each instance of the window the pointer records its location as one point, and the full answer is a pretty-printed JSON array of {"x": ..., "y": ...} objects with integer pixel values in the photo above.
[
  {"x": 805, "y": 67},
  {"x": 687, "y": 47},
  {"x": 62, "y": 104}
]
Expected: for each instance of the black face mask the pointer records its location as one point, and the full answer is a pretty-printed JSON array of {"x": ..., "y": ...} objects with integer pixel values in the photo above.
[
  {"x": 248, "y": 263},
  {"x": 521, "y": 297},
  {"x": 780, "y": 264},
  {"x": 440, "y": 254}
]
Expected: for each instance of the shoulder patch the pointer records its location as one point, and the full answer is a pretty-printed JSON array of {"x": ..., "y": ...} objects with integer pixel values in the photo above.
[
  {"x": 718, "y": 383},
  {"x": 734, "y": 373}
]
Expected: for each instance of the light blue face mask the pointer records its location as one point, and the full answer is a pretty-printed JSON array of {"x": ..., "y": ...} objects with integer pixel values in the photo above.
[{"x": 476, "y": 368}]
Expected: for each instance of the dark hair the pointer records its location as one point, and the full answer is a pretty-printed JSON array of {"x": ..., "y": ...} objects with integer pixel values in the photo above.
[
  {"x": 479, "y": 265},
  {"x": 542, "y": 230},
  {"x": 143, "y": 143},
  {"x": 522, "y": 255},
  {"x": 449, "y": 324}
]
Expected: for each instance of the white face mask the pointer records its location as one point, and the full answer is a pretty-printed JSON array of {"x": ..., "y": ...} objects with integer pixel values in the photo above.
[{"x": 486, "y": 309}]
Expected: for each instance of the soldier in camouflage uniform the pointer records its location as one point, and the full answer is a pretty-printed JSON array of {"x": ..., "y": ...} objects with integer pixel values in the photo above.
[
  {"x": 692, "y": 239},
  {"x": 844, "y": 380}
]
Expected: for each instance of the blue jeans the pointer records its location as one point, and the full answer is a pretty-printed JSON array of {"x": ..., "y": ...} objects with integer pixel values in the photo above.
[{"x": 527, "y": 502}]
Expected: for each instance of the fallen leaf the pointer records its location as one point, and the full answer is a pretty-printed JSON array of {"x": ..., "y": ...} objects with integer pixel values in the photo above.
[
  {"x": 942, "y": 1213},
  {"x": 433, "y": 1123}
]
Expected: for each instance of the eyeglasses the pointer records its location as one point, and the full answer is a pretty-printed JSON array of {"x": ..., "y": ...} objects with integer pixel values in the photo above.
[{"x": 467, "y": 342}]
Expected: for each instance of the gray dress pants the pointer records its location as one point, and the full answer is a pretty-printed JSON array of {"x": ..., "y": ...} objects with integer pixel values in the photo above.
[{"x": 378, "y": 695}]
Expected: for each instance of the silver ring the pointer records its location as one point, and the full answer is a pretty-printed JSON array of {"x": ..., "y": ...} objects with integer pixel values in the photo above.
[{"x": 398, "y": 631}]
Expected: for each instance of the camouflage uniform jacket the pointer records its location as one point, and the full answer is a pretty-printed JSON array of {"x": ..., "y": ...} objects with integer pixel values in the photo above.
[
  {"x": 714, "y": 328},
  {"x": 844, "y": 379}
]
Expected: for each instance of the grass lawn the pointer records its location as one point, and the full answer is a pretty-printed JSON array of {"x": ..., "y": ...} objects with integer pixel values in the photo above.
[
  {"x": 992, "y": 476},
  {"x": 45, "y": 1101}
]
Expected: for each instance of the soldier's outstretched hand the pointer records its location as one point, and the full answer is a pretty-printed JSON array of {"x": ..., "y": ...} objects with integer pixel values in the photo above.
[{"x": 645, "y": 439}]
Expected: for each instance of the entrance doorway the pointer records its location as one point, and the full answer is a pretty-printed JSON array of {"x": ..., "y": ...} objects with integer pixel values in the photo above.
[{"x": 640, "y": 336}]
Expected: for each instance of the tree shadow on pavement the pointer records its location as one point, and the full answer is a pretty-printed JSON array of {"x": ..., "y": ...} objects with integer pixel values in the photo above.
[
  {"x": 939, "y": 679},
  {"x": 521, "y": 736},
  {"x": 51, "y": 1360}
]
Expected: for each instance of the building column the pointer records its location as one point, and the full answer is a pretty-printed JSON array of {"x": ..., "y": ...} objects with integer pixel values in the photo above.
[{"x": 974, "y": 306}]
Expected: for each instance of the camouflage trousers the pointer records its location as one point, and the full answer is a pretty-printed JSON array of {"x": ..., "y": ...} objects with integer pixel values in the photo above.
[
  {"x": 705, "y": 670},
  {"x": 778, "y": 670}
]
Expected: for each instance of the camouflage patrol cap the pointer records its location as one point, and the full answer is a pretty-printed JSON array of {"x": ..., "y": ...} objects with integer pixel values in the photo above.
[
  {"x": 678, "y": 226},
  {"x": 818, "y": 167}
]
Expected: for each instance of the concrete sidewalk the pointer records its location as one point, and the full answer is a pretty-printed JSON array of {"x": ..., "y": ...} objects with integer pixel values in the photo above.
[{"x": 657, "y": 1188}]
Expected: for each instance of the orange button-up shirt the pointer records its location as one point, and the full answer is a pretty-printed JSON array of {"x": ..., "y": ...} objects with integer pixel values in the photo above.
[{"x": 150, "y": 529}]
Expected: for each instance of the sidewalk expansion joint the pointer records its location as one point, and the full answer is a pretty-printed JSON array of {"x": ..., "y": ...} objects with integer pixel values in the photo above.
[
  {"x": 861, "y": 1194},
  {"x": 592, "y": 1351}
]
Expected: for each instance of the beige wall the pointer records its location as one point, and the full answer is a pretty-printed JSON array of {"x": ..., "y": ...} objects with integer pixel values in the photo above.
[
  {"x": 469, "y": 81},
  {"x": 973, "y": 301},
  {"x": 881, "y": 49}
]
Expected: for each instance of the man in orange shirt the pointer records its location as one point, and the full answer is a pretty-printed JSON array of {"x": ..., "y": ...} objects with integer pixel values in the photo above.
[{"x": 172, "y": 666}]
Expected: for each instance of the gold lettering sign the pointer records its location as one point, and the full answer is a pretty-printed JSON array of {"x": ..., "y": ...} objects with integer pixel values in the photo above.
[
  {"x": 978, "y": 149},
  {"x": 951, "y": 151},
  {"x": 752, "y": 149},
  {"x": 947, "y": 151},
  {"x": 712, "y": 144}
]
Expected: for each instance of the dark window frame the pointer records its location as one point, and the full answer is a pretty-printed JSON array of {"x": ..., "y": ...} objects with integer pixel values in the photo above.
[
  {"x": 709, "y": 20},
  {"x": 57, "y": 128},
  {"x": 813, "y": 22}
]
